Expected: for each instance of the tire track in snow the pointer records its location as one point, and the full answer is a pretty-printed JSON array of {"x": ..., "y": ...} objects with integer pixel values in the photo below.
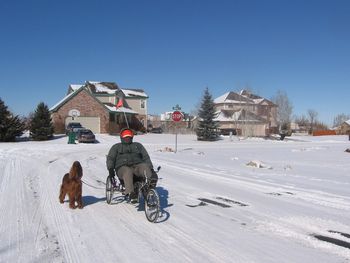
[
  {"x": 6, "y": 227},
  {"x": 16, "y": 218},
  {"x": 311, "y": 196},
  {"x": 34, "y": 196},
  {"x": 297, "y": 230},
  {"x": 302, "y": 228},
  {"x": 66, "y": 241}
]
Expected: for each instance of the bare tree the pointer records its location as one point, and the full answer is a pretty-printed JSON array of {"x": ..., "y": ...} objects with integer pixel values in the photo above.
[
  {"x": 340, "y": 118},
  {"x": 303, "y": 122},
  {"x": 312, "y": 114},
  {"x": 284, "y": 109}
]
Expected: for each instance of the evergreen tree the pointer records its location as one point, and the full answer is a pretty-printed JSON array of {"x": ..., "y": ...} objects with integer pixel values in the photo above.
[
  {"x": 207, "y": 127},
  {"x": 10, "y": 126},
  {"x": 41, "y": 126}
]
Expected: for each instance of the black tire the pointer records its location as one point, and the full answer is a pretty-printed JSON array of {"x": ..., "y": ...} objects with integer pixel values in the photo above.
[
  {"x": 109, "y": 190},
  {"x": 152, "y": 205}
]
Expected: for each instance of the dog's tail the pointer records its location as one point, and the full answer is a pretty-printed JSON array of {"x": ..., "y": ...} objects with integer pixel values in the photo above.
[{"x": 62, "y": 194}]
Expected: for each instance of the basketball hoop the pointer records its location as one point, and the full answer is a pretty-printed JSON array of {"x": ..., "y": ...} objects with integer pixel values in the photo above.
[{"x": 74, "y": 113}]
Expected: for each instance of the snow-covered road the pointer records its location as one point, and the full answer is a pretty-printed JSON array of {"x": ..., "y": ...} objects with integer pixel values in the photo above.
[{"x": 215, "y": 207}]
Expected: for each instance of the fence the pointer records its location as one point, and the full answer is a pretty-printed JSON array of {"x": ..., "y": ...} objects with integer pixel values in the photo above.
[{"x": 323, "y": 132}]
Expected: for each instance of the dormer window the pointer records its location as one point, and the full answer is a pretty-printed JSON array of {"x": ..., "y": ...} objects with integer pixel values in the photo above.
[{"x": 142, "y": 104}]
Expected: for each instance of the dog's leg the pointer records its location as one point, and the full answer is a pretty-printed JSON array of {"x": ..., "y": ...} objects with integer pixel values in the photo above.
[
  {"x": 62, "y": 194},
  {"x": 80, "y": 202},
  {"x": 71, "y": 200},
  {"x": 79, "y": 197}
]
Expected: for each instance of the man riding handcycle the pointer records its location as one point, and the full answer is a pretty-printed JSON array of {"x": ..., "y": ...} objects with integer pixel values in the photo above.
[{"x": 131, "y": 163}]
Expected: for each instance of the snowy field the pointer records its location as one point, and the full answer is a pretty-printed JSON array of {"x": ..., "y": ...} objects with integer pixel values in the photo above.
[{"x": 294, "y": 207}]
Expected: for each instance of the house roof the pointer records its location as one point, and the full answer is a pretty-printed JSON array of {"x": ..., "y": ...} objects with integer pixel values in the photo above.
[
  {"x": 66, "y": 98},
  {"x": 75, "y": 86},
  {"x": 113, "y": 108},
  {"x": 99, "y": 87},
  {"x": 75, "y": 89},
  {"x": 129, "y": 93},
  {"x": 232, "y": 97},
  {"x": 243, "y": 97}
]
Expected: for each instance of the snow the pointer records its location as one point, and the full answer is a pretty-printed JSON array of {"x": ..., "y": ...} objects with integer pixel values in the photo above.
[
  {"x": 75, "y": 86},
  {"x": 134, "y": 93},
  {"x": 120, "y": 109},
  {"x": 216, "y": 208},
  {"x": 102, "y": 88},
  {"x": 222, "y": 98}
]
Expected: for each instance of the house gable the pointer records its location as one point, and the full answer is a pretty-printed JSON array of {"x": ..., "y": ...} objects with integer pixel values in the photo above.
[
  {"x": 71, "y": 96},
  {"x": 98, "y": 101},
  {"x": 78, "y": 102},
  {"x": 248, "y": 109}
]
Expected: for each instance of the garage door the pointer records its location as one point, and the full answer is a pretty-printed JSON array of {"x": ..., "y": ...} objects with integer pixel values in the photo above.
[{"x": 92, "y": 123}]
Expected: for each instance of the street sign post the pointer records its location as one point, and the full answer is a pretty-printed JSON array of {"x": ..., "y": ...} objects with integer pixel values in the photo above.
[{"x": 176, "y": 117}]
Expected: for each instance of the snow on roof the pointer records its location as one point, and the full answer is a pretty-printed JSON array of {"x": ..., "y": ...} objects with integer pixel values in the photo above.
[
  {"x": 257, "y": 101},
  {"x": 134, "y": 93},
  {"x": 120, "y": 109},
  {"x": 222, "y": 98},
  {"x": 233, "y": 97},
  {"x": 74, "y": 87},
  {"x": 348, "y": 122},
  {"x": 101, "y": 88}
]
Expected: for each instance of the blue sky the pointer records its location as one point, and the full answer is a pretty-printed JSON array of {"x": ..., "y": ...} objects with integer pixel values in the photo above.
[{"x": 174, "y": 49}]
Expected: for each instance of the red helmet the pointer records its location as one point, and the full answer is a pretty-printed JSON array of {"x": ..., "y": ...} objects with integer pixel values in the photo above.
[{"x": 126, "y": 133}]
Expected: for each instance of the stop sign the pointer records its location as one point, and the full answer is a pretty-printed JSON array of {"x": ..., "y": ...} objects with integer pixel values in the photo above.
[{"x": 176, "y": 116}]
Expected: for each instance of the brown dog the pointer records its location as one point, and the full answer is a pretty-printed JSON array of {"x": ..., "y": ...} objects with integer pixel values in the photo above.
[{"x": 71, "y": 185}]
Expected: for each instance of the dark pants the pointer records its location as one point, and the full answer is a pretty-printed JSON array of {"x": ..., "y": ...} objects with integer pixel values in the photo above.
[{"x": 140, "y": 170}]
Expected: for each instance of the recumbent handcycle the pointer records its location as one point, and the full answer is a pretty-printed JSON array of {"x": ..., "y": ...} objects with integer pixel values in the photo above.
[{"x": 146, "y": 194}]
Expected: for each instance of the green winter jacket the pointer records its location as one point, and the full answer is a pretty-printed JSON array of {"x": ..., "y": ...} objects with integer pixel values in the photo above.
[{"x": 127, "y": 154}]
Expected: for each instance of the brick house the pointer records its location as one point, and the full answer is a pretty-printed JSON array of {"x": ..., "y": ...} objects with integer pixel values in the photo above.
[
  {"x": 246, "y": 113},
  {"x": 102, "y": 107}
]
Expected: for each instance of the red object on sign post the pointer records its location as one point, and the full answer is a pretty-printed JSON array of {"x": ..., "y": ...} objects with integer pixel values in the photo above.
[{"x": 176, "y": 116}]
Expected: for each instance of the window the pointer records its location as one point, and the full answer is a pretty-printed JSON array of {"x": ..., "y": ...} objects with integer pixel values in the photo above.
[
  {"x": 111, "y": 117},
  {"x": 143, "y": 104}
]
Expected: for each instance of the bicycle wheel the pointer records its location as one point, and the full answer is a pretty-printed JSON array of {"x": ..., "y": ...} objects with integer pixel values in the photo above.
[
  {"x": 109, "y": 190},
  {"x": 152, "y": 205}
]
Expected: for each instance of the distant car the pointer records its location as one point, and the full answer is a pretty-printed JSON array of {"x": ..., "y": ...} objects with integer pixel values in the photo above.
[
  {"x": 76, "y": 129},
  {"x": 72, "y": 127},
  {"x": 156, "y": 130},
  {"x": 85, "y": 135}
]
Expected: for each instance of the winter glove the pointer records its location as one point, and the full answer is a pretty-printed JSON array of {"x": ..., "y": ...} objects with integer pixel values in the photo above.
[{"x": 111, "y": 172}]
